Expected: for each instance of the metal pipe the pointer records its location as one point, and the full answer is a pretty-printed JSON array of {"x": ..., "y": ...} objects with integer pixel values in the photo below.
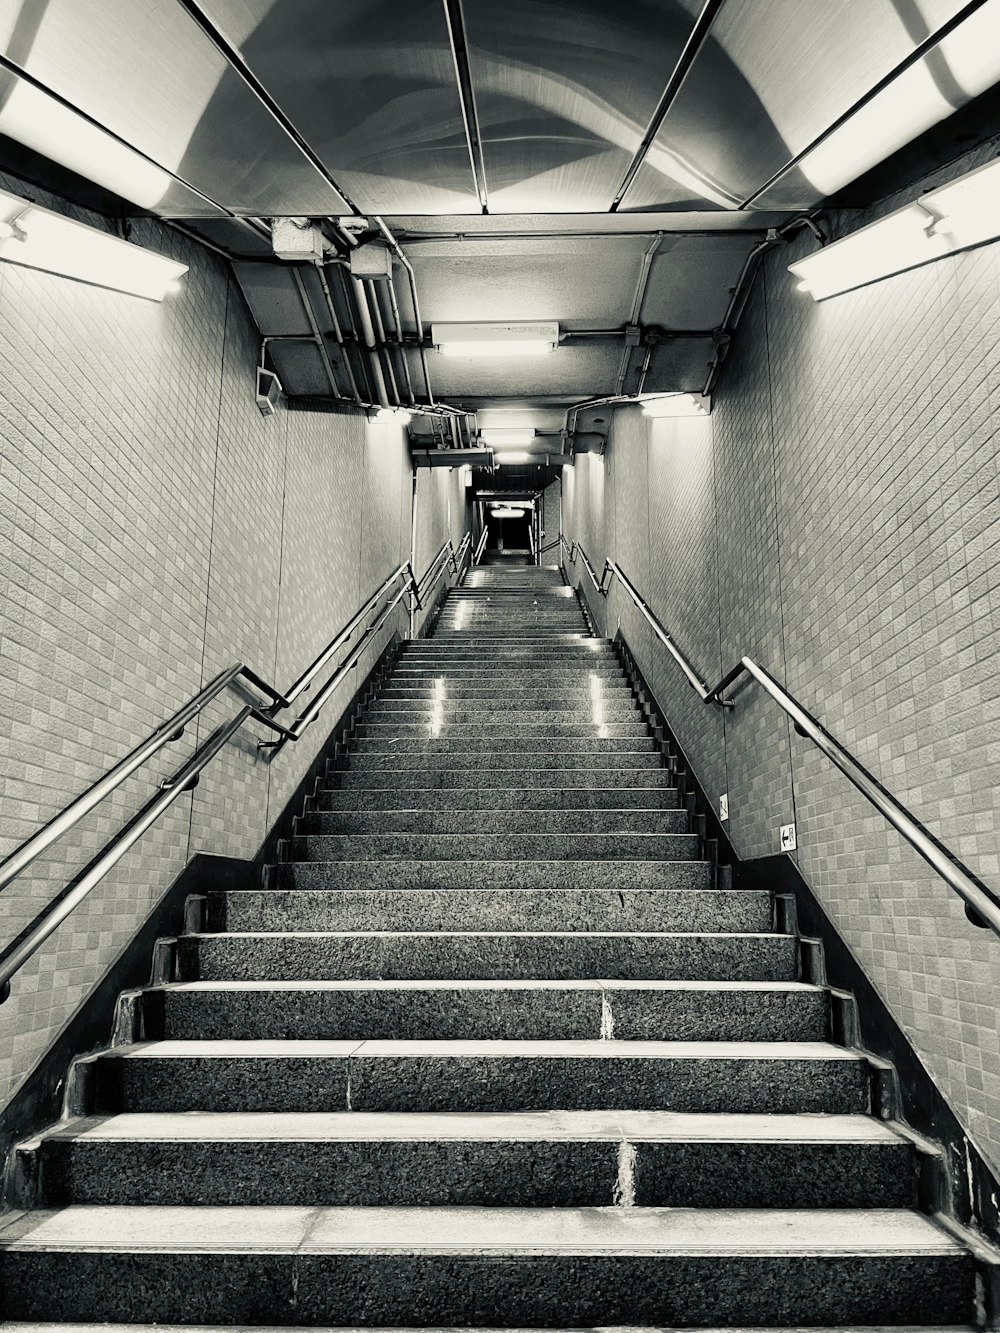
[
  {"x": 380, "y": 331},
  {"x": 640, "y": 292},
  {"x": 311, "y": 316},
  {"x": 368, "y": 333},
  {"x": 338, "y": 332},
  {"x": 397, "y": 250},
  {"x": 29, "y": 941},
  {"x": 455, "y": 19},
  {"x": 398, "y": 326}
]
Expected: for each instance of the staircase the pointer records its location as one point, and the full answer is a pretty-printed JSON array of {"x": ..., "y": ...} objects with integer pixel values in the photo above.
[{"x": 489, "y": 1049}]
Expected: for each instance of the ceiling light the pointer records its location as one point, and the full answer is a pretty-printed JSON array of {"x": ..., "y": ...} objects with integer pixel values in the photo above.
[
  {"x": 495, "y": 340},
  {"x": 56, "y": 244},
  {"x": 40, "y": 122},
  {"x": 678, "y": 405},
  {"x": 515, "y": 457},
  {"x": 507, "y": 513},
  {"x": 943, "y": 221},
  {"x": 506, "y": 434}
]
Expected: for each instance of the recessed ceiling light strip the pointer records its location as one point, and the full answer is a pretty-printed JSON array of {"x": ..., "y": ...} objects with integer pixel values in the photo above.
[{"x": 915, "y": 56}]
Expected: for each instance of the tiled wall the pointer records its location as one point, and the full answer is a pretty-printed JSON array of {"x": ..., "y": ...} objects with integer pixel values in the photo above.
[
  {"x": 153, "y": 529},
  {"x": 838, "y": 518}
]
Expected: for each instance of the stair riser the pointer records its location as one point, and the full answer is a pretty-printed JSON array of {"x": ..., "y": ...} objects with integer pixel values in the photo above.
[
  {"x": 489, "y": 874},
  {"x": 427, "y": 713},
  {"x": 485, "y": 957},
  {"x": 498, "y": 847},
  {"x": 474, "y": 823},
  {"x": 507, "y": 1014},
  {"x": 499, "y": 732},
  {"x": 478, "y": 1083},
  {"x": 490, "y": 909},
  {"x": 521, "y": 1291},
  {"x": 469, "y": 799},
  {"x": 476, "y": 696},
  {"x": 465, "y": 761},
  {"x": 536, "y": 1174},
  {"x": 500, "y": 747},
  {"x": 558, "y": 779}
]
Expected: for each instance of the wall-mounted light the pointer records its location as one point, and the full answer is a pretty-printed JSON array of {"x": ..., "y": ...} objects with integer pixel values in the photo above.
[
  {"x": 506, "y": 435},
  {"x": 37, "y": 238},
  {"x": 495, "y": 340},
  {"x": 942, "y": 222},
  {"x": 678, "y": 405},
  {"x": 508, "y": 457}
]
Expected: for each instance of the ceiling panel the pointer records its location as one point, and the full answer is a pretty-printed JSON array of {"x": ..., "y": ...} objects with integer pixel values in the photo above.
[
  {"x": 579, "y": 282},
  {"x": 575, "y": 224},
  {"x": 680, "y": 365},
  {"x": 147, "y": 72},
  {"x": 273, "y": 298},
  {"x": 769, "y": 79},
  {"x": 576, "y": 371},
  {"x": 370, "y": 84},
  {"x": 691, "y": 280},
  {"x": 564, "y": 95}
]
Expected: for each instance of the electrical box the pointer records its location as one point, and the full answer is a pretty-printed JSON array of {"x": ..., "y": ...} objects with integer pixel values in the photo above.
[
  {"x": 297, "y": 239},
  {"x": 372, "y": 261},
  {"x": 268, "y": 391}
]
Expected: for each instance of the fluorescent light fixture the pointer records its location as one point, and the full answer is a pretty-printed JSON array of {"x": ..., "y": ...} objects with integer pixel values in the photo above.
[
  {"x": 678, "y": 405},
  {"x": 507, "y": 513},
  {"x": 512, "y": 457},
  {"x": 495, "y": 340},
  {"x": 506, "y": 435},
  {"x": 951, "y": 218},
  {"x": 38, "y": 238},
  {"x": 40, "y": 122}
]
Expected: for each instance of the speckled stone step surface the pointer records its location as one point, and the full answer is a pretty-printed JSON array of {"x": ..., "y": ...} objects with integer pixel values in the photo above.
[
  {"x": 735, "y": 911},
  {"x": 512, "y": 846},
  {"x": 420, "y": 1266},
  {"x": 519, "y": 874},
  {"x": 794, "y": 1077},
  {"x": 244, "y": 1010},
  {"x": 540, "y": 1159},
  {"x": 534, "y": 799},
  {"x": 520, "y": 955},
  {"x": 469, "y": 823}
]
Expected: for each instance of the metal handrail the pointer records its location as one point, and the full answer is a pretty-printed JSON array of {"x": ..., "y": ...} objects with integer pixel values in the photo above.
[
  {"x": 481, "y": 546},
  {"x": 17, "y": 953},
  {"x": 982, "y": 905}
]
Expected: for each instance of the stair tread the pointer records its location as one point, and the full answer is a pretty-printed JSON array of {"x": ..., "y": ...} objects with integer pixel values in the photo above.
[
  {"x": 489, "y": 1126},
  {"x": 569, "y": 1049},
  {"x": 470, "y": 1230}
]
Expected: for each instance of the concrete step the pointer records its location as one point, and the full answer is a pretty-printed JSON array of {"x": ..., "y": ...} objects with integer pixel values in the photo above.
[
  {"x": 542, "y": 1159},
  {"x": 482, "y": 955},
  {"x": 495, "y": 821},
  {"x": 418, "y": 694},
  {"x": 730, "y": 911},
  {"x": 447, "y": 712},
  {"x": 503, "y": 751},
  {"x": 538, "y": 799},
  {"x": 520, "y": 1267},
  {"x": 754, "y": 1077},
  {"x": 497, "y": 847},
  {"x": 494, "y": 874},
  {"x": 486, "y": 1010},
  {"x": 534, "y": 778},
  {"x": 495, "y": 730}
]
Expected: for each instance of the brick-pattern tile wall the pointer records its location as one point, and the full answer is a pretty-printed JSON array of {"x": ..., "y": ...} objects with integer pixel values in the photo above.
[
  {"x": 838, "y": 518},
  {"x": 154, "y": 528}
]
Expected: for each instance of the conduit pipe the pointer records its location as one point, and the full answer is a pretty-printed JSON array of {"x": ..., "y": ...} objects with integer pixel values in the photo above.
[
  {"x": 383, "y": 350},
  {"x": 338, "y": 332},
  {"x": 368, "y": 333},
  {"x": 398, "y": 327},
  {"x": 396, "y": 249},
  {"x": 317, "y": 336}
]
